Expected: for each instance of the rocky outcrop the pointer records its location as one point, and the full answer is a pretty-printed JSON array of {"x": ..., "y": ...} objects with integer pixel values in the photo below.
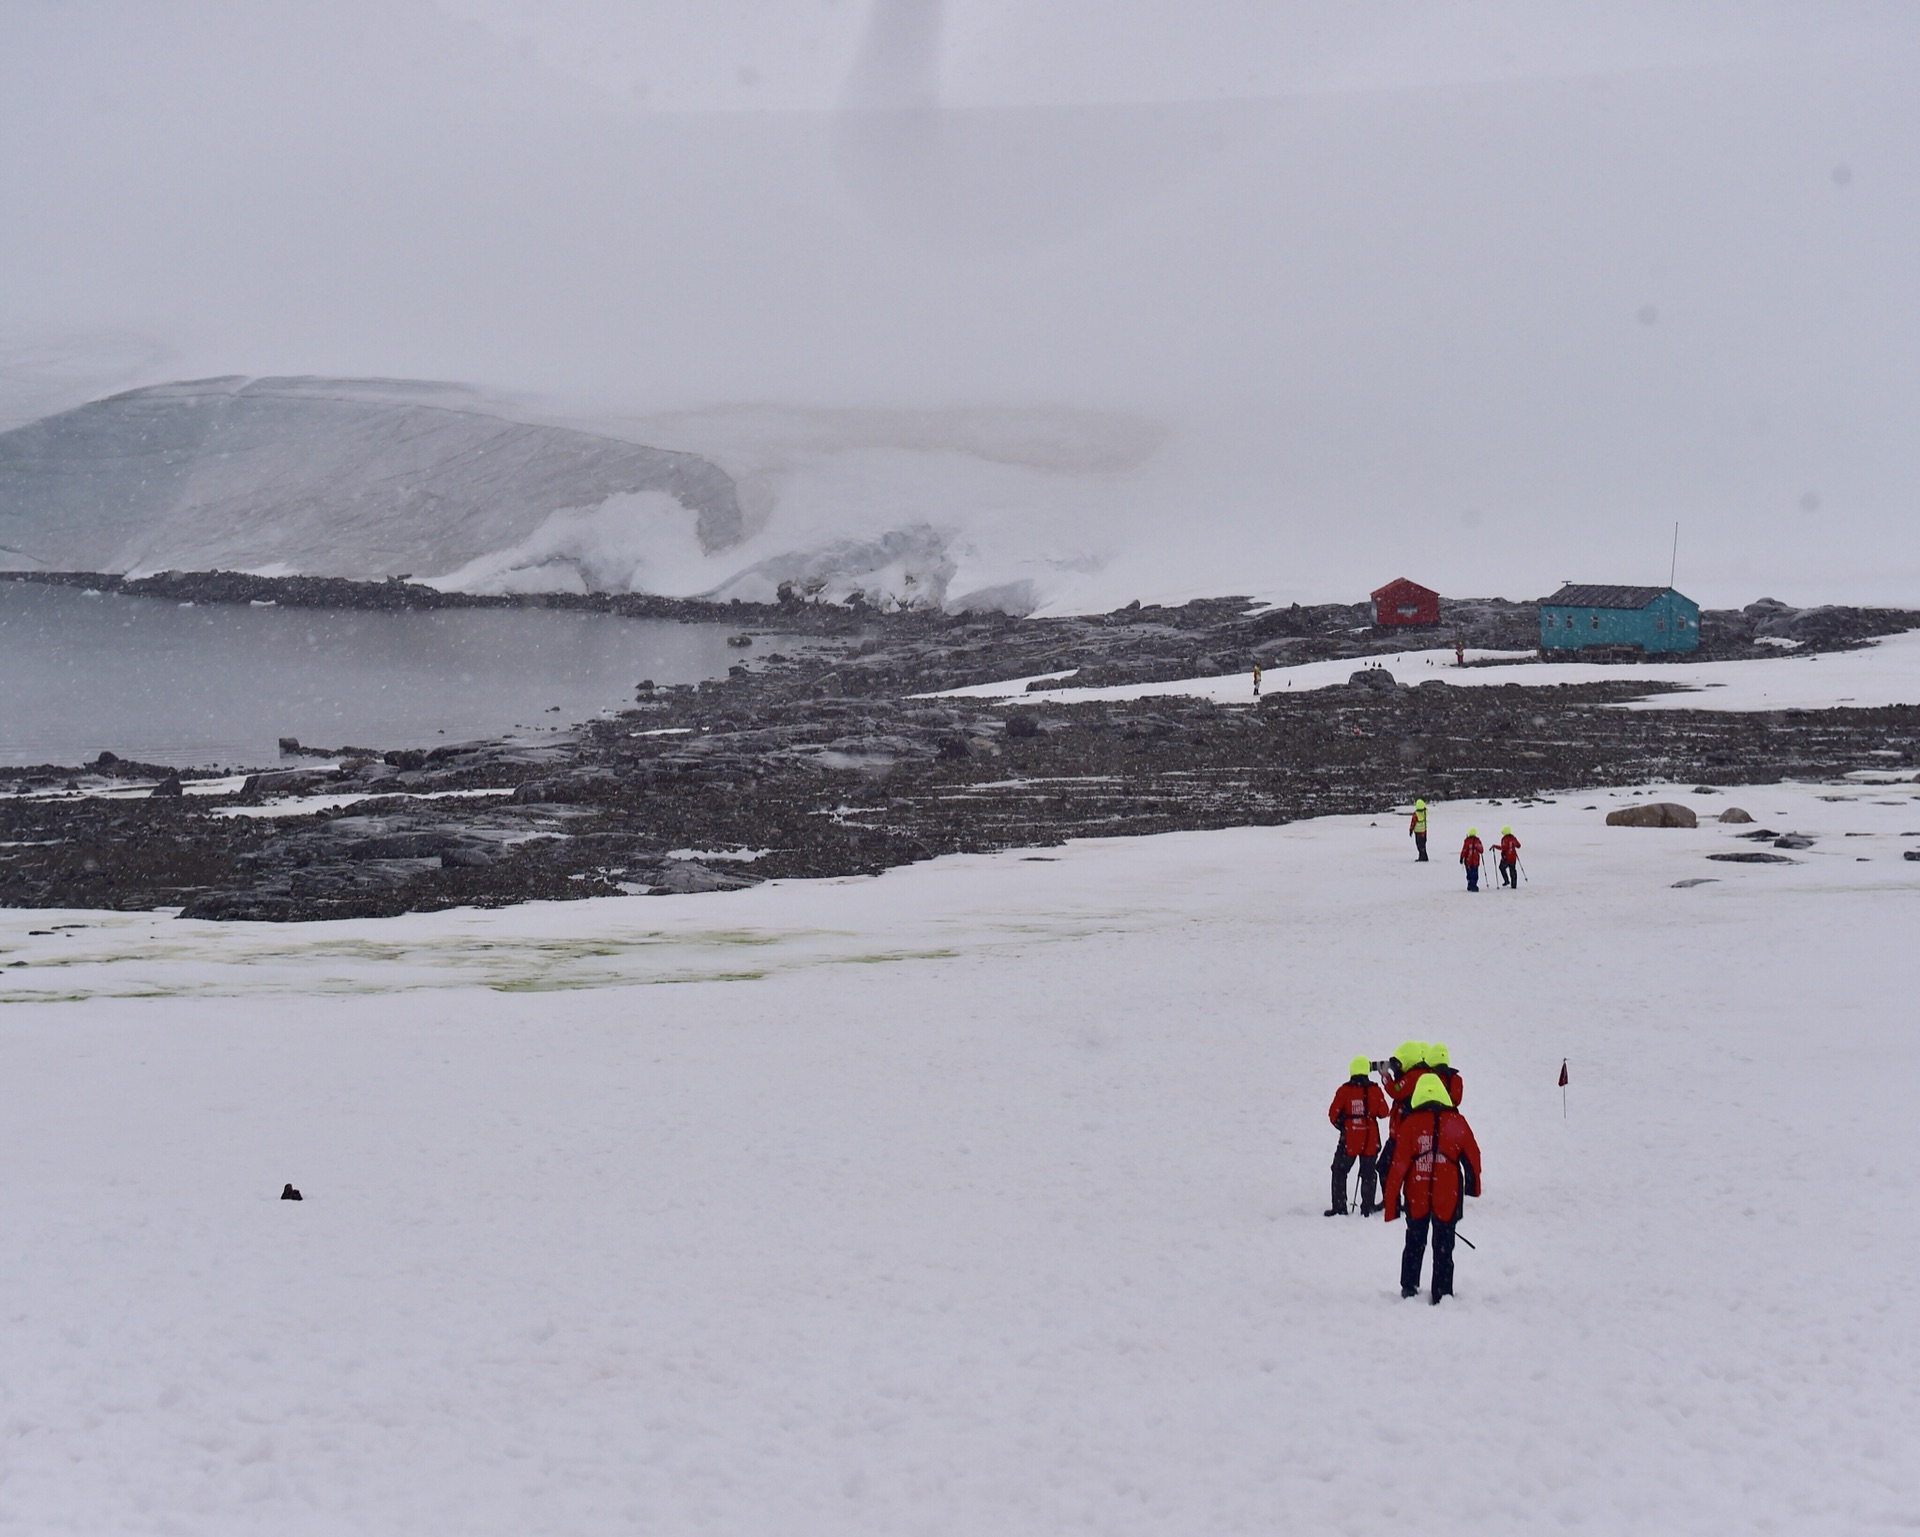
[
  {"x": 1375, "y": 680},
  {"x": 1827, "y": 627}
]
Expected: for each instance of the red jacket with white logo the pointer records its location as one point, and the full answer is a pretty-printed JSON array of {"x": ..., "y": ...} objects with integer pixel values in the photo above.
[
  {"x": 1436, "y": 1165},
  {"x": 1356, "y": 1110},
  {"x": 1471, "y": 850},
  {"x": 1509, "y": 849},
  {"x": 1400, "y": 1091}
]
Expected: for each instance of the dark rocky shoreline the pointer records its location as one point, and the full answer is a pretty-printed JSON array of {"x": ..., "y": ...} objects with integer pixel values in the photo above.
[{"x": 824, "y": 764}]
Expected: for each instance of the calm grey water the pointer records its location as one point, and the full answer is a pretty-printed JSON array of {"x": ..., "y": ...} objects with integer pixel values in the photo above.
[{"x": 219, "y": 685}]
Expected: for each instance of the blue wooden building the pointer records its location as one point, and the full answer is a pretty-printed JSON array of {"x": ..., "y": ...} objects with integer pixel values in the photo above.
[{"x": 1652, "y": 618}]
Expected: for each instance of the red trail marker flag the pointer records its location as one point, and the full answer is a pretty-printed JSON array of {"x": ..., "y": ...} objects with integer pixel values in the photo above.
[{"x": 1563, "y": 1088}]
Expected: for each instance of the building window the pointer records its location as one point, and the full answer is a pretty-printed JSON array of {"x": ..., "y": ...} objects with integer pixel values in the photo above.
[
  {"x": 1660, "y": 624},
  {"x": 1680, "y": 622},
  {"x": 1596, "y": 621}
]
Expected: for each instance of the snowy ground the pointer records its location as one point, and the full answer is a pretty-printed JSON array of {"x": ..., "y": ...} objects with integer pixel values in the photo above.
[
  {"x": 981, "y": 1197},
  {"x": 1882, "y": 673}
]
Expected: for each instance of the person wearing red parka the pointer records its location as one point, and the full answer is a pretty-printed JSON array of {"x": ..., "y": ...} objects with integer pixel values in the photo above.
[
  {"x": 1438, "y": 1065},
  {"x": 1355, "y": 1112},
  {"x": 1509, "y": 858},
  {"x": 1400, "y": 1076},
  {"x": 1471, "y": 853},
  {"x": 1436, "y": 1166}
]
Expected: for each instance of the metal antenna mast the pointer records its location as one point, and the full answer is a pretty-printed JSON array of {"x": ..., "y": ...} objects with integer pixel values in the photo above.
[{"x": 1673, "y": 570}]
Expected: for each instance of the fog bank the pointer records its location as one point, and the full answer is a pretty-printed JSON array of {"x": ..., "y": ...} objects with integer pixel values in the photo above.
[{"x": 1492, "y": 315}]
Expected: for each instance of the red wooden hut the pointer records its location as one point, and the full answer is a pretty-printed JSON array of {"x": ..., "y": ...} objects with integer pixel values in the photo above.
[{"x": 1405, "y": 602}]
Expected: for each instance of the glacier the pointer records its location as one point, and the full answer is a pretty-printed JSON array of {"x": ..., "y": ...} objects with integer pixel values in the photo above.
[
  {"x": 363, "y": 479},
  {"x": 373, "y": 479}
]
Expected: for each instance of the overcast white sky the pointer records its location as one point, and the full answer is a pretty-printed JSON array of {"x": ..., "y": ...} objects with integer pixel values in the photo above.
[{"x": 1546, "y": 276}]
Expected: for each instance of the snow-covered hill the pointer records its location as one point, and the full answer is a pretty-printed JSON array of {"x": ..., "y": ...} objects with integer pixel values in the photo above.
[{"x": 339, "y": 477}]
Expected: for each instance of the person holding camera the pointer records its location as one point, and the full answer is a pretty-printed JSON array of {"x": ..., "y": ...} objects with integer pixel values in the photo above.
[{"x": 1400, "y": 1075}]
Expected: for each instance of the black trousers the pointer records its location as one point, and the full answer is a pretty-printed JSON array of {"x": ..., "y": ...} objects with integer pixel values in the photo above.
[
  {"x": 1369, "y": 1179},
  {"x": 1420, "y": 843},
  {"x": 1509, "y": 873},
  {"x": 1416, "y": 1251}
]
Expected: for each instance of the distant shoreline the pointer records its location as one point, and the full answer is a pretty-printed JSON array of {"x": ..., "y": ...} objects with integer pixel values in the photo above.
[{"x": 396, "y": 595}]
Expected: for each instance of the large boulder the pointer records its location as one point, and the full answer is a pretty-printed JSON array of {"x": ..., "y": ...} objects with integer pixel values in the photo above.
[
  {"x": 286, "y": 782},
  {"x": 1734, "y": 814},
  {"x": 1653, "y": 814},
  {"x": 685, "y": 878}
]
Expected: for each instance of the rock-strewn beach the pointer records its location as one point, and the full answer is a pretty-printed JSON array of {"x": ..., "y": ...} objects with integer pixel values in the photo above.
[{"x": 835, "y": 761}]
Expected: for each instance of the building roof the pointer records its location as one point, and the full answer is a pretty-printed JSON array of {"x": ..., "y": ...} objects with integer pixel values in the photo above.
[
  {"x": 1589, "y": 595},
  {"x": 1400, "y": 583}
]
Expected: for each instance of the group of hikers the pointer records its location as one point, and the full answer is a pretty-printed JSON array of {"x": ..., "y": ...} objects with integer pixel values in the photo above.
[
  {"x": 1473, "y": 852},
  {"x": 1427, "y": 1166}
]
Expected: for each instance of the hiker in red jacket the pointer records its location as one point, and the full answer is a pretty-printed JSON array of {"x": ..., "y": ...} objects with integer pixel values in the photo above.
[
  {"x": 1509, "y": 858},
  {"x": 1441, "y": 1068},
  {"x": 1470, "y": 855},
  {"x": 1436, "y": 1166},
  {"x": 1357, "y": 1107},
  {"x": 1400, "y": 1075}
]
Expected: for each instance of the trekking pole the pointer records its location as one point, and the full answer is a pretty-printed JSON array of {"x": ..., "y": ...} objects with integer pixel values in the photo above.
[
  {"x": 1466, "y": 1240},
  {"x": 1523, "y": 870}
]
